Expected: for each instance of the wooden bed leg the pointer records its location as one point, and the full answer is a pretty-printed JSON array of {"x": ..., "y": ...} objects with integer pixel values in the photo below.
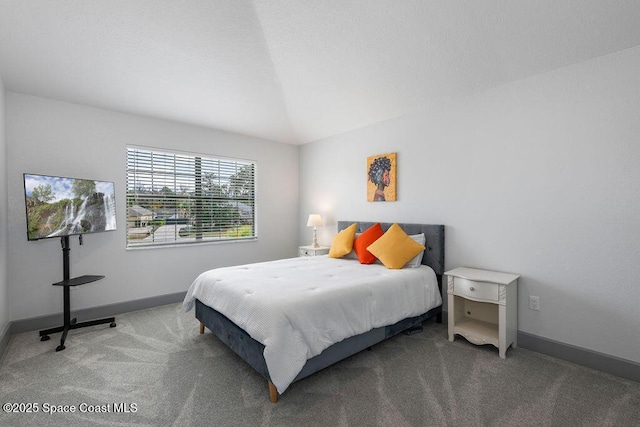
[
  {"x": 273, "y": 393},
  {"x": 201, "y": 328}
]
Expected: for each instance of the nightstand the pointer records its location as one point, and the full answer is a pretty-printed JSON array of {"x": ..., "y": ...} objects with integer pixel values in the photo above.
[
  {"x": 483, "y": 307},
  {"x": 311, "y": 251}
]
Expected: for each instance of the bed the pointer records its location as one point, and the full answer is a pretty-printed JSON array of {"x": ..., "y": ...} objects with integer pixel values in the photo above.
[{"x": 295, "y": 351}]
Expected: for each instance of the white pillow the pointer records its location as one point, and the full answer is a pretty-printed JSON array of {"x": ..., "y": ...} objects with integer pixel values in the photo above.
[{"x": 417, "y": 260}]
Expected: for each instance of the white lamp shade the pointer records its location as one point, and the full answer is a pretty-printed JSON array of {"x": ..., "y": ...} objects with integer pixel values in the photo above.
[{"x": 314, "y": 220}]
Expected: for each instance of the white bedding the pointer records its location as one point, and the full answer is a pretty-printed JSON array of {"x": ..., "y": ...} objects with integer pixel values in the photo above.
[{"x": 297, "y": 307}]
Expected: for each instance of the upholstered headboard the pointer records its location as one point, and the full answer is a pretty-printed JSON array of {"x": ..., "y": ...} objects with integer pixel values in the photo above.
[{"x": 434, "y": 234}]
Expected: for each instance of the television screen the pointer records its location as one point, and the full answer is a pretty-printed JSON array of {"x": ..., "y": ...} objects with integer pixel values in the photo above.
[{"x": 58, "y": 206}]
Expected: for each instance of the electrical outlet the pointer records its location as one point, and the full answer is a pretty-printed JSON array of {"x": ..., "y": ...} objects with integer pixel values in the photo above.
[{"x": 534, "y": 303}]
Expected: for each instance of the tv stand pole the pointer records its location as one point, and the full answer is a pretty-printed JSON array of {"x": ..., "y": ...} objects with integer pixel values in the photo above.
[{"x": 70, "y": 323}]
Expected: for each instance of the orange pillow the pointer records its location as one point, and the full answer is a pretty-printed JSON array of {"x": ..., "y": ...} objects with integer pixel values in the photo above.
[{"x": 361, "y": 243}]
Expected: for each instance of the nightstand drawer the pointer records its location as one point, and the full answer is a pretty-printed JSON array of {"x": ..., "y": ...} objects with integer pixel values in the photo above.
[
  {"x": 475, "y": 290},
  {"x": 311, "y": 251},
  {"x": 307, "y": 252}
]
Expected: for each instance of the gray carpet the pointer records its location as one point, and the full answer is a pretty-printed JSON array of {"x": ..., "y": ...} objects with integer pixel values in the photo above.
[{"x": 157, "y": 360}]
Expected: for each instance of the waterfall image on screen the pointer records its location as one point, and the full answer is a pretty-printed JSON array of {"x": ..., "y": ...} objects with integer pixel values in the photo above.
[{"x": 58, "y": 206}]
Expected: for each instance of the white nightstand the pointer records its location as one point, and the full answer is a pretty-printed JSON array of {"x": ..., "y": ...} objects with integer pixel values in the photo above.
[
  {"x": 311, "y": 251},
  {"x": 483, "y": 307}
]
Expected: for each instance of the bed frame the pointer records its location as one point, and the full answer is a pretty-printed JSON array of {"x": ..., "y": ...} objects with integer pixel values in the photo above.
[{"x": 252, "y": 351}]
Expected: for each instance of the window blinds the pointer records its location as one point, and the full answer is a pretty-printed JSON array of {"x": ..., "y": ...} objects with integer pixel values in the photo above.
[{"x": 176, "y": 198}]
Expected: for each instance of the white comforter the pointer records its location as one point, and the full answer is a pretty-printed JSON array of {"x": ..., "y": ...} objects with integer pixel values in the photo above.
[{"x": 297, "y": 307}]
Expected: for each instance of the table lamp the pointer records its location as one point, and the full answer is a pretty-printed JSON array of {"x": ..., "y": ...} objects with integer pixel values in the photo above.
[{"x": 314, "y": 221}]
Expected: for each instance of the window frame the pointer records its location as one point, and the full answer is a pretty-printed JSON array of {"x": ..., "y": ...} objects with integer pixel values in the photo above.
[{"x": 153, "y": 177}]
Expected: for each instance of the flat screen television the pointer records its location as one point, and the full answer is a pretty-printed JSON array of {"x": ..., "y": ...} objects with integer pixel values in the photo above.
[{"x": 58, "y": 206}]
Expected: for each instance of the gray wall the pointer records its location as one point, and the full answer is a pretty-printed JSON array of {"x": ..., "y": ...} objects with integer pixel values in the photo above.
[
  {"x": 540, "y": 177},
  {"x": 56, "y": 138},
  {"x": 4, "y": 299}
]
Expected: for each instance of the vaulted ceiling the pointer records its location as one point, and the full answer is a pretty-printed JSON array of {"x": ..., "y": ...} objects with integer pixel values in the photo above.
[{"x": 294, "y": 70}]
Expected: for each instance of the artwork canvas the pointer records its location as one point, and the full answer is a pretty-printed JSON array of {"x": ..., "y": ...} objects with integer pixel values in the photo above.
[{"x": 381, "y": 178}]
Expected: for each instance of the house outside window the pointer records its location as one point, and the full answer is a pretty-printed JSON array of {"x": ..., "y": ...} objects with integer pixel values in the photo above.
[{"x": 176, "y": 198}]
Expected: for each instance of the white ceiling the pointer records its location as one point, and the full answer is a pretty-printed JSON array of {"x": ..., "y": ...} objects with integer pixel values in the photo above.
[{"x": 294, "y": 70}]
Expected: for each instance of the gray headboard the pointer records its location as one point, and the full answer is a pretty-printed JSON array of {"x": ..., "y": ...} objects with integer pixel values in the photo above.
[{"x": 434, "y": 234}]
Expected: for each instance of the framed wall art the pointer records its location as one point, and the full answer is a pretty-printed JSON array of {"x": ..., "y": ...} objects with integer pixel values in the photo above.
[{"x": 381, "y": 177}]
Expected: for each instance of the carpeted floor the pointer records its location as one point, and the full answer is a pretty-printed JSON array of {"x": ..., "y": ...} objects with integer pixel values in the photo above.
[{"x": 156, "y": 365}]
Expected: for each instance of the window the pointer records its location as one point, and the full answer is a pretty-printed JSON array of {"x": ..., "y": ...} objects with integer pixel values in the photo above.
[{"x": 182, "y": 198}]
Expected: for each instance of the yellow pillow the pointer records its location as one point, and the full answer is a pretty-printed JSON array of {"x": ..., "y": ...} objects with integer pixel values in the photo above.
[
  {"x": 343, "y": 242},
  {"x": 395, "y": 248}
]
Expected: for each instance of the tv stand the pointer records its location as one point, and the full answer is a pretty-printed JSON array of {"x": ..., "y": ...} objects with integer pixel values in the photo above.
[{"x": 66, "y": 284}]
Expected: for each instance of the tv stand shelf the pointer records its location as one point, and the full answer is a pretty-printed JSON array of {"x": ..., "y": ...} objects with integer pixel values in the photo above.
[
  {"x": 70, "y": 323},
  {"x": 77, "y": 281}
]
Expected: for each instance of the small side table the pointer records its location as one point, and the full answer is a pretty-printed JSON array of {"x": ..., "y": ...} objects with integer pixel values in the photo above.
[
  {"x": 311, "y": 251},
  {"x": 483, "y": 307}
]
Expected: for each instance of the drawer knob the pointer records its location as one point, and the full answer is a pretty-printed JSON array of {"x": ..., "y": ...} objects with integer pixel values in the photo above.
[{"x": 472, "y": 288}]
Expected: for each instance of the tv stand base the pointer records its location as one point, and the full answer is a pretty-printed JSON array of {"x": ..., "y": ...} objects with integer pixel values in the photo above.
[
  {"x": 73, "y": 324},
  {"x": 67, "y": 283}
]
